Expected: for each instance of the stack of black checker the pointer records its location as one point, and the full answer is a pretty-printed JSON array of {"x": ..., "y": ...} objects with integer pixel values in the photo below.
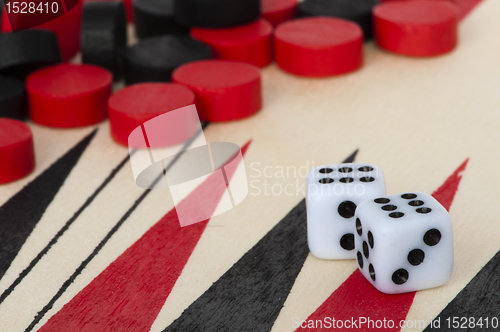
[
  {"x": 163, "y": 26},
  {"x": 104, "y": 35},
  {"x": 161, "y": 17},
  {"x": 21, "y": 53}
]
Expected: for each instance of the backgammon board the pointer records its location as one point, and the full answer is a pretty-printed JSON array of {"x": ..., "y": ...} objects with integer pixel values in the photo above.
[{"x": 83, "y": 248}]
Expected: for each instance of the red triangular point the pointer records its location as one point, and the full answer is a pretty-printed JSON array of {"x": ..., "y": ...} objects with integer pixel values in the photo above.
[
  {"x": 356, "y": 298},
  {"x": 245, "y": 147},
  {"x": 466, "y": 6},
  {"x": 129, "y": 294},
  {"x": 448, "y": 189}
]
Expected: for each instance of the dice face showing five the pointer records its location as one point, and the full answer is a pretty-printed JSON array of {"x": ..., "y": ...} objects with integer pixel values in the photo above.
[
  {"x": 404, "y": 242},
  {"x": 333, "y": 192}
]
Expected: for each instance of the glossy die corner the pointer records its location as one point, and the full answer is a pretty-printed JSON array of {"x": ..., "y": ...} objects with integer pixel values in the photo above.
[
  {"x": 404, "y": 242},
  {"x": 333, "y": 193}
]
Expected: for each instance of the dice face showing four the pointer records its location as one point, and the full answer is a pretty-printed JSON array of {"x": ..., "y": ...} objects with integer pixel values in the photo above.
[
  {"x": 404, "y": 242},
  {"x": 333, "y": 192}
]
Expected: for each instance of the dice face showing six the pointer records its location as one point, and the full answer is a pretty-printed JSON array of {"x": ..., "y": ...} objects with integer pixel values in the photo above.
[
  {"x": 404, "y": 242},
  {"x": 333, "y": 192}
]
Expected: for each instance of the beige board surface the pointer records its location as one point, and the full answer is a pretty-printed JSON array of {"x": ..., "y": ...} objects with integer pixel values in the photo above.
[{"x": 418, "y": 119}]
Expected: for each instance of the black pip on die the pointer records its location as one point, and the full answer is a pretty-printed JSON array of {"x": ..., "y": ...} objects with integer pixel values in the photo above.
[
  {"x": 404, "y": 242},
  {"x": 333, "y": 192}
]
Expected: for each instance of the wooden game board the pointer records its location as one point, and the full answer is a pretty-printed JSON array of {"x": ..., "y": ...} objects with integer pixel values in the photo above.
[{"x": 123, "y": 263}]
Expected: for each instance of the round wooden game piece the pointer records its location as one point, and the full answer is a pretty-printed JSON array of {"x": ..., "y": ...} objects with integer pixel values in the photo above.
[
  {"x": 66, "y": 28},
  {"x": 127, "y": 3},
  {"x": 417, "y": 28},
  {"x": 278, "y": 11},
  {"x": 225, "y": 90},
  {"x": 247, "y": 43},
  {"x": 17, "y": 154},
  {"x": 154, "y": 59},
  {"x": 12, "y": 98},
  {"x": 132, "y": 106},
  {"x": 155, "y": 18},
  {"x": 28, "y": 50},
  {"x": 359, "y": 11},
  {"x": 69, "y": 95},
  {"x": 104, "y": 35},
  {"x": 216, "y": 13},
  {"x": 318, "y": 46}
]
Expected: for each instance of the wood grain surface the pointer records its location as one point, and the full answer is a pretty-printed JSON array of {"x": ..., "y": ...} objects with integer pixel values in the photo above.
[{"x": 418, "y": 119}]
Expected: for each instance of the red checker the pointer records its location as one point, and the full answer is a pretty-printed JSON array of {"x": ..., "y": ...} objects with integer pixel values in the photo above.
[
  {"x": 225, "y": 90},
  {"x": 17, "y": 155},
  {"x": 318, "y": 46},
  {"x": 417, "y": 28},
  {"x": 68, "y": 95},
  {"x": 278, "y": 11},
  {"x": 247, "y": 43},
  {"x": 132, "y": 106}
]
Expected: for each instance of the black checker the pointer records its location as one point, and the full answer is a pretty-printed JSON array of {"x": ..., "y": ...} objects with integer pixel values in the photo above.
[
  {"x": 12, "y": 98},
  {"x": 104, "y": 35},
  {"x": 216, "y": 13},
  {"x": 154, "y": 59},
  {"x": 155, "y": 18},
  {"x": 359, "y": 11},
  {"x": 23, "y": 52}
]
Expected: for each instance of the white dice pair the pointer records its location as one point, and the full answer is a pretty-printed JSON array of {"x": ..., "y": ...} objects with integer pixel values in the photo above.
[{"x": 402, "y": 242}]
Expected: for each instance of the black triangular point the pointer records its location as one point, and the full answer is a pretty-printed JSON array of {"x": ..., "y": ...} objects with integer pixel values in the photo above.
[
  {"x": 20, "y": 214},
  {"x": 479, "y": 299},
  {"x": 250, "y": 295},
  {"x": 351, "y": 158}
]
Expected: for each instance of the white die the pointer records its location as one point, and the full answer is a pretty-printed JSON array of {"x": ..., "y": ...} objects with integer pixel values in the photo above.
[
  {"x": 404, "y": 242},
  {"x": 333, "y": 192}
]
